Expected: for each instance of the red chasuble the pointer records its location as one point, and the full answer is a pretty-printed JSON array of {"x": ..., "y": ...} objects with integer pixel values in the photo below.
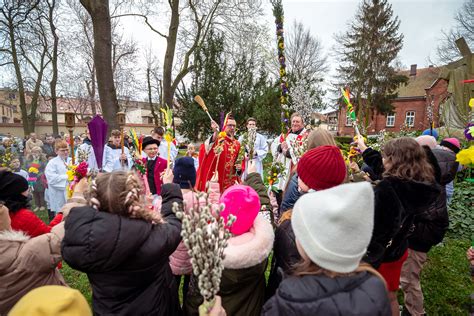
[{"x": 225, "y": 168}]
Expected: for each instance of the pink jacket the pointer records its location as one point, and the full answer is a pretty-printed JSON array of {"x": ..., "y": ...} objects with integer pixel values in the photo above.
[{"x": 180, "y": 261}]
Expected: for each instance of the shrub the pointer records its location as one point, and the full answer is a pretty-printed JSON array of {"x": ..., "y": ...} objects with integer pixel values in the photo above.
[{"x": 461, "y": 215}]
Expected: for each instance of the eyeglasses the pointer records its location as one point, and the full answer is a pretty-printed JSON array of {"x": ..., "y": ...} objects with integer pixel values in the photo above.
[{"x": 151, "y": 149}]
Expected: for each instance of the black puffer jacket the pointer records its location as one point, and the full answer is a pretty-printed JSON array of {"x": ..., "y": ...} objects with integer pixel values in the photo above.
[
  {"x": 431, "y": 225},
  {"x": 126, "y": 260},
  {"x": 397, "y": 202},
  {"x": 360, "y": 294},
  {"x": 285, "y": 255}
]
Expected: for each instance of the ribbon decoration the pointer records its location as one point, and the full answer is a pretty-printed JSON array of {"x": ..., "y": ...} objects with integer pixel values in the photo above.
[
  {"x": 350, "y": 109},
  {"x": 168, "y": 116}
]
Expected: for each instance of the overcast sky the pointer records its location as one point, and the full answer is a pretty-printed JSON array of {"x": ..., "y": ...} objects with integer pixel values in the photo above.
[{"x": 421, "y": 22}]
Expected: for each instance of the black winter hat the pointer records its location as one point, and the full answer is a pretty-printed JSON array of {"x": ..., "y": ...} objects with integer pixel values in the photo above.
[
  {"x": 184, "y": 172},
  {"x": 11, "y": 184},
  {"x": 149, "y": 140}
]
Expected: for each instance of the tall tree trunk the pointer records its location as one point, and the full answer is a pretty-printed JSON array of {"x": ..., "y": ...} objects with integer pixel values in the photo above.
[
  {"x": 27, "y": 129},
  {"x": 168, "y": 90},
  {"x": 54, "y": 62},
  {"x": 152, "y": 107},
  {"x": 99, "y": 12}
]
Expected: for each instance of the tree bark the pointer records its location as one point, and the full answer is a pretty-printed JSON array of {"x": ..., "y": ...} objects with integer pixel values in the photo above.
[
  {"x": 168, "y": 91},
  {"x": 150, "y": 102},
  {"x": 99, "y": 12},
  {"x": 54, "y": 62},
  {"x": 19, "y": 78}
]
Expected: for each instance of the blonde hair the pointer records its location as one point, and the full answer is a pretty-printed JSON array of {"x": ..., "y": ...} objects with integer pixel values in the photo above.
[
  {"x": 120, "y": 193},
  {"x": 320, "y": 137},
  {"x": 42, "y": 156},
  {"x": 60, "y": 144},
  {"x": 308, "y": 267}
]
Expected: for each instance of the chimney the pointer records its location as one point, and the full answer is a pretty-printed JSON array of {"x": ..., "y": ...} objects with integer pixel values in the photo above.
[{"x": 413, "y": 70}]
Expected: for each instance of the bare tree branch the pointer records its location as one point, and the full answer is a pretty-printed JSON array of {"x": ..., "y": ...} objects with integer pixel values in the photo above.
[{"x": 146, "y": 22}]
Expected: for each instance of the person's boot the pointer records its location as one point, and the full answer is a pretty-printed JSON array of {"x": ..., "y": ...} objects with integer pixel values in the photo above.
[
  {"x": 50, "y": 215},
  {"x": 405, "y": 312}
]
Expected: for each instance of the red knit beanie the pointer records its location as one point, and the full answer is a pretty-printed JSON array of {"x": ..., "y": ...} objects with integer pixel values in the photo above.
[{"x": 322, "y": 168}]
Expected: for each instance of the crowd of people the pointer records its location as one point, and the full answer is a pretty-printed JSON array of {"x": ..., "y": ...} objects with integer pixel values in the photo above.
[{"x": 344, "y": 240}]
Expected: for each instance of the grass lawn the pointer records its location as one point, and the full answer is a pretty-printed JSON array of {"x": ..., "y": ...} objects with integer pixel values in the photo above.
[{"x": 446, "y": 280}]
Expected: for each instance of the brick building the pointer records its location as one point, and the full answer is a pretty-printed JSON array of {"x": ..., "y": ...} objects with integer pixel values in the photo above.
[{"x": 410, "y": 107}]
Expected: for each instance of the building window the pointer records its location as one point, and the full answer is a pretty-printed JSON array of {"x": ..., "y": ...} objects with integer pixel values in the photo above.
[
  {"x": 410, "y": 119},
  {"x": 390, "y": 120},
  {"x": 348, "y": 121}
]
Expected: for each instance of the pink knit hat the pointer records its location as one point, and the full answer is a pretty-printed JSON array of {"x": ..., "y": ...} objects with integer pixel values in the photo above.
[
  {"x": 451, "y": 143},
  {"x": 243, "y": 202},
  {"x": 426, "y": 140}
]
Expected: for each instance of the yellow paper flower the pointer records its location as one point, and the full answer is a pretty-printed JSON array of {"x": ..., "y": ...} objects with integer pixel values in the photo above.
[
  {"x": 222, "y": 135},
  {"x": 168, "y": 138},
  {"x": 466, "y": 156},
  {"x": 70, "y": 175},
  {"x": 33, "y": 170},
  {"x": 471, "y": 103}
]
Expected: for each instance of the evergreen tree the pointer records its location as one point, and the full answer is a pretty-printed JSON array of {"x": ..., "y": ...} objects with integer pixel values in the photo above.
[
  {"x": 225, "y": 87},
  {"x": 367, "y": 53}
]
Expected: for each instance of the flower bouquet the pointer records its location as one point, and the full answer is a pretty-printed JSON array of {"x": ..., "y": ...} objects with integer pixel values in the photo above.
[
  {"x": 205, "y": 234},
  {"x": 277, "y": 170},
  {"x": 466, "y": 158},
  {"x": 74, "y": 174},
  {"x": 168, "y": 116},
  {"x": 33, "y": 172},
  {"x": 6, "y": 159},
  {"x": 299, "y": 145}
]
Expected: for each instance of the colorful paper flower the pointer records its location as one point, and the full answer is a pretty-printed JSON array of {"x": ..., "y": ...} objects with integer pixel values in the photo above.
[
  {"x": 469, "y": 132},
  {"x": 466, "y": 156},
  {"x": 33, "y": 170}
]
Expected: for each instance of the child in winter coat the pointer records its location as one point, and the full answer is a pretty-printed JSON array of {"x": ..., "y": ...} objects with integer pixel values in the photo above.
[
  {"x": 429, "y": 228},
  {"x": 14, "y": 193},
  {"x": 180, "y": 261},
  {"x": 123, "y": 246},
  {"x": 27, "y": 263},
  {"x": 333, "y": 228},
  {"x": 407, "y": 189},
  {"x": 242, "y": 284},
  {"x": 318, "y": 169},
  {"x": 16, "y": 167}
]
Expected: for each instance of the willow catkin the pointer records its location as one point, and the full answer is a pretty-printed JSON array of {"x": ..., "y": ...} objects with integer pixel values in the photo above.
[{"x": 205, "y": 235}]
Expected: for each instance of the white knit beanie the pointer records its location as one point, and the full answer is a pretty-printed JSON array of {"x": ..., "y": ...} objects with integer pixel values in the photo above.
[{"x": 334, "y": 226}]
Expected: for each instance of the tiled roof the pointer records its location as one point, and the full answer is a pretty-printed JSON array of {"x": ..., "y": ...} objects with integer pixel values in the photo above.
[{"x": 425, "y": 77}]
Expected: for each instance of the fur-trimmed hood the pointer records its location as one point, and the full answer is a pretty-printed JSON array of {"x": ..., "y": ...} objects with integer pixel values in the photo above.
[
  {"x": 251, "y": 248},
  {"x": 10, "y": 244},
  {"x": 13, "y": 235}
]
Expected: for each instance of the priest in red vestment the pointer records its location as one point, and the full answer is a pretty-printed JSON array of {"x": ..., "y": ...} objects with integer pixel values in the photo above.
[{"x": 219, "y": 154}]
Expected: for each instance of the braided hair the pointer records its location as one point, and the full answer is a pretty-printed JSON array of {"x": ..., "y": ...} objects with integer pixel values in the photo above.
[{"x": 119, "y": 192}]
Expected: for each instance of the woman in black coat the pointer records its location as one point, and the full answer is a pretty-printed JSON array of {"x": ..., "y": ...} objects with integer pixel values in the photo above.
[
  {"x": 407, "y": 188},
  {"x": 429, "y": 228},
  {"x": 124, "y": 247}
]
